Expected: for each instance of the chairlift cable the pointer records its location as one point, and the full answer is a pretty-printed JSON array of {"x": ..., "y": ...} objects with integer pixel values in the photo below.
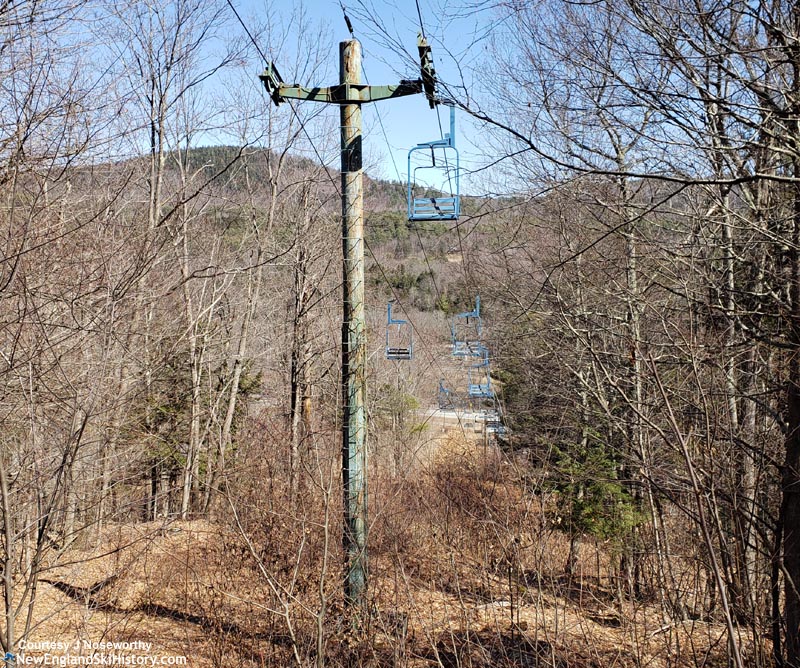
[
  {"x": 415, "y": 227},
  {"x": 416, "y": 231},
  {"x": 247, "y": 30},
  {"x": 399, "y": 180},
  {"x": 347, "y": 21},
  {"x": 449, "y": 182},
  {"x": 291, "y": 106},
  {"x": 421, "y": 26},
  {"x": 438, "y": 118},
  {"x": 433, "y": 361}
]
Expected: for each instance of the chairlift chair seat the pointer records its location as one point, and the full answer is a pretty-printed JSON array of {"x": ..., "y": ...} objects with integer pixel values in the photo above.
[
  {"x": 480, "y": 390},
  {"x": 434, "y": 208},
  {"x": 398, "y": 353},
  {"x": 469, "y": 349}
]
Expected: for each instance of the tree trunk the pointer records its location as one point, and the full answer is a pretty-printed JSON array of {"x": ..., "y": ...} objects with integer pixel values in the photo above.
[
  {"x": 791, "y": 470},
  {"x": 299, "y": 371}
]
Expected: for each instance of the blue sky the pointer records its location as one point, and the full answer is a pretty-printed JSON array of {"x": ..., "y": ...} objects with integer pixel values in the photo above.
[{"x": 388, "y": 33}]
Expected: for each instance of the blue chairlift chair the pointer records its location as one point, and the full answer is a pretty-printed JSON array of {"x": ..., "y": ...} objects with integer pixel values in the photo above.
[
  {"x": 466, "y": 330},
  {"x": 440, "y": 199},
  {"x": 399, "y": 337},
  {"x": 495, "y": 427},
  {"x": 479, "y": 379},
  {"x": 447, "y": 399}
]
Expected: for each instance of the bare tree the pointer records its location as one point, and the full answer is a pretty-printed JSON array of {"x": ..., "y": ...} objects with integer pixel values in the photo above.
[{"x": 678, "y": 118}]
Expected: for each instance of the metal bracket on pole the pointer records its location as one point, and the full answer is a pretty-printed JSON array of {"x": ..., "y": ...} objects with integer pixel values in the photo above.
[
  {"x": 272, "y": 81},
  {"x": 427, "y": 69}
]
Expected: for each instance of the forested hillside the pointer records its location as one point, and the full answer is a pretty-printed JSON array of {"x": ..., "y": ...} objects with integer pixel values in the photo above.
[{"x": 170, "y": 351}]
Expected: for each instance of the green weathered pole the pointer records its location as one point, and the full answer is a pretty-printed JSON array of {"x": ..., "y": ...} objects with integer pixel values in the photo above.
[{"x": 354, "y": 346}]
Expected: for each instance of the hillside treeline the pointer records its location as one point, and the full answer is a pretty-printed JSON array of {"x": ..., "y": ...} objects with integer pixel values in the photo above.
[{"x": 169, "y": 319}]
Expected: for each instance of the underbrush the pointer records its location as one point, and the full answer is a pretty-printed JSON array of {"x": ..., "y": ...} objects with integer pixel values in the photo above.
[{"x": 466, "y": 569}]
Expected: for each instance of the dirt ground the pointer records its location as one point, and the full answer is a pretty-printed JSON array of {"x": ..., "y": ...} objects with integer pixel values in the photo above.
[{"x": 464, "y": 571}]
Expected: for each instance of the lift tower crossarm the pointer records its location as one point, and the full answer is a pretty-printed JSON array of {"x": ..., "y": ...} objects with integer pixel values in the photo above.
[{"x": 340, "y": 94}]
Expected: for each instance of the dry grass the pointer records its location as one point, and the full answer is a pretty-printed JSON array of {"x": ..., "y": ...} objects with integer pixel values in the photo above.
[{"x": 465, "y": 571}]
